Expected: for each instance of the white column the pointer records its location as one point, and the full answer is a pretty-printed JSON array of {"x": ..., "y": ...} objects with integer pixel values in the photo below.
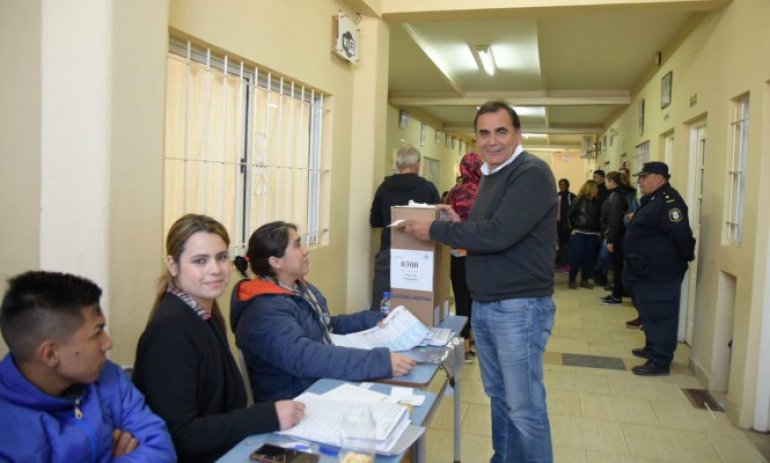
[
  {"x": 75, "y": 144},
  {"x": 368, "y": 140},
  {"x": 762, "y": 398}
]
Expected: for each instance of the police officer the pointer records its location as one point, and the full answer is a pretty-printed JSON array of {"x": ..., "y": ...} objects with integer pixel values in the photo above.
[{"x": 658, "y": 245}]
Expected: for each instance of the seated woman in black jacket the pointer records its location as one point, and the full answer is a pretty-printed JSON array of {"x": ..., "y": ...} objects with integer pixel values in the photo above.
[
  {"x": 183, "y": 362},
  {"x": 584, "y": 234}
]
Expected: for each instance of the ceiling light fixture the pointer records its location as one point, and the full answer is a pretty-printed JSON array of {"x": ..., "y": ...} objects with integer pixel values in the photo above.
[{"x": 486, "y": 59}]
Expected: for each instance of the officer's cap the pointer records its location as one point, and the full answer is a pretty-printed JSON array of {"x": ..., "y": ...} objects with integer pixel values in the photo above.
[{"x": 654, "y": 167}]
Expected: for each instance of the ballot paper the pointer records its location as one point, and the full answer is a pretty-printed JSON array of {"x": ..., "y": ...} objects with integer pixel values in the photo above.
[
  {"x": 401, "y": 331},
  {"x": 437, "y": 337},
  {"x": 367, "y": 423}
]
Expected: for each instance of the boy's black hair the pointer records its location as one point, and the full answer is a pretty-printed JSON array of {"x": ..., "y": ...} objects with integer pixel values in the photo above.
[{"x": 42, "y": 305}]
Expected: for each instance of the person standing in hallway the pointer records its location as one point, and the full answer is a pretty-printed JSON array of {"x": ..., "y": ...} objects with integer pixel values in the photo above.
[
  {"x": 565, "y": 199},
  {"x": 614, "y": 210},
  {"x": 602, "y": 259},
  {"x": 658, "y": 246},
  {"x": 584, "y": 234},
  {"x": 461, "y": 198},
  {"x": 510, "y": 236},
  {"x": 396, "y": 190}
]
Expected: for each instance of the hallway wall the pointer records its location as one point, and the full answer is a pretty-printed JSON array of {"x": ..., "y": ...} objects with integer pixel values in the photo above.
[{"x": 717, "y": 58}]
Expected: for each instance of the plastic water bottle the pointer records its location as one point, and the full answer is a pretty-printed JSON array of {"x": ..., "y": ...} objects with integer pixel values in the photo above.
[{"x": 385, "y": 304}]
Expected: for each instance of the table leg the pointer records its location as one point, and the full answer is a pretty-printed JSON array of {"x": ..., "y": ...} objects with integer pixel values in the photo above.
[
  {"x": 458, "y": 422},
  {"x": 418, "y": 449}
]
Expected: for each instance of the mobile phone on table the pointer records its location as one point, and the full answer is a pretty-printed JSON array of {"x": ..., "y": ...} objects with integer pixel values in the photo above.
[{"x": 270, "y": 453}]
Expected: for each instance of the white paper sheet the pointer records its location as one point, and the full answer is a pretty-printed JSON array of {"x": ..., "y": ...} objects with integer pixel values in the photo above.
[
  {"x": 372, "y": 425},
  {"x": 402, "y": 331},
  {"x": 411, "y": 269}
]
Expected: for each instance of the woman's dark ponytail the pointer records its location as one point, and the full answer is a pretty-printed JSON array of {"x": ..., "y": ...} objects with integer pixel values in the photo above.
[{"x": 242, "y": 265}]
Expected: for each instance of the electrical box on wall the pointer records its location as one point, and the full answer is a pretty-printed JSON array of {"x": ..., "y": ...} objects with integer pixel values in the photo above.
[{"x": 346, "y": 38}]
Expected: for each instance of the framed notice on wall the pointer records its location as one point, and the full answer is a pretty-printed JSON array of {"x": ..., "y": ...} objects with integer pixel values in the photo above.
[
  {"x": 665, "y": 90},
  {"x": 403, "y": 119}
]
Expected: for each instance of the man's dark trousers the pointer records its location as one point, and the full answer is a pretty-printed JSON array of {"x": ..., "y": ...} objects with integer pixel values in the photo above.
[{"x": 658, "y": 305}]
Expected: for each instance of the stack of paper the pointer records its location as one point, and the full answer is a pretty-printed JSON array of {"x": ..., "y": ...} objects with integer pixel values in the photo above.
[
  {"x": 401, "y": 331},
  {"x": 437, "y": 337},
  {"x": 363, "y": 421}
]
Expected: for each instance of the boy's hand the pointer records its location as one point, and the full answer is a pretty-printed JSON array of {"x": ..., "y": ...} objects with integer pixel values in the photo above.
[{"x": 123, "y": 443}]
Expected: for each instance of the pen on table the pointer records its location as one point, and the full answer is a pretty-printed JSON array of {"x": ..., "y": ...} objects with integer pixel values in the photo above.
[{"x": 328, "y": 450}]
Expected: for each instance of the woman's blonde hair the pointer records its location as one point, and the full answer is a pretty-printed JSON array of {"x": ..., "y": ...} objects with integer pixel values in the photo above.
[
  {"x": 181, "y": 231},
  {"x": 589, "y": 190}
]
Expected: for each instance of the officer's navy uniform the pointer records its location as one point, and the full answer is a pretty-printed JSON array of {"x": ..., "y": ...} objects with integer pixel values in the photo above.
[{"x": 658, "y": 245}]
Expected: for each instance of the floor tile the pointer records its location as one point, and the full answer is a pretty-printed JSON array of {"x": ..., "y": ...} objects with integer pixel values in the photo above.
[
  {"x": 735, "y": 449},
  {"x": 576, "y": 381},
  {"x": 644, "y": 388},
  {"x": 620, "y": 409},
  {"x": 561, "y": 402},
  {"x": 444, "y": 417},
  {"x": 563, "y": 454},
  {"x": 594, "y": 456},
  {"x": 586, "y": 433},
  {"x": 575, "y": 346},
  {"x": 669, "y": 444},
  {"x": 477, "y": 420}
]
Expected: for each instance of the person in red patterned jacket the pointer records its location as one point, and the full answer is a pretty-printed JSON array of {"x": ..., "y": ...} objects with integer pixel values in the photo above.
[{"x": 461, "y": 198}]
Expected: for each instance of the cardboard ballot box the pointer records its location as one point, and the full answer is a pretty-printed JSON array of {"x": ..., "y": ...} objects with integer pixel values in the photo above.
[{"x": 419, "y": 270}]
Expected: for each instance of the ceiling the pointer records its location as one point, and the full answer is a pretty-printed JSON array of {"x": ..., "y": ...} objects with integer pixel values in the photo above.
[{"x": 567, "y": 70}]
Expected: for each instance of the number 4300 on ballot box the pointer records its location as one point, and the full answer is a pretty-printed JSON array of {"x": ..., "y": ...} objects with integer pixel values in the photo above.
[{"x": 419, "y": 270}]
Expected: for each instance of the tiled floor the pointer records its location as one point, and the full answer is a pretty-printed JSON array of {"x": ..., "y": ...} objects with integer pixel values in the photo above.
[{"x": 602, "y": 413}]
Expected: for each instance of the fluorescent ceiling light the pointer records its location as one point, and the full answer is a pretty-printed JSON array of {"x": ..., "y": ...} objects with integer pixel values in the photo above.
[
  {"x": 535, "y": 135},
  {"x": 486, "y": 59},
  {"x": 530, "y": 111}
]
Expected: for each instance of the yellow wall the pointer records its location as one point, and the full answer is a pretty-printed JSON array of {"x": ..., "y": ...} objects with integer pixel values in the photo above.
[
  {"x": 723, "y": 57},
  {"x": 82, "y": 155},
  {"x": 448, "y": 157},
  {"x": 569, "y": 165},
  {"x": 20, "y": 116},
  {"x": 130, "y": 228},
  {"x": 718, "y": 57},
  {"x": 295, "y": 39}
]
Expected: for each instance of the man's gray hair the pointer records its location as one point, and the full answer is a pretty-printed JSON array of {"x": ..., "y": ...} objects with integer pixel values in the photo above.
[{"x": 407, "y": 156}]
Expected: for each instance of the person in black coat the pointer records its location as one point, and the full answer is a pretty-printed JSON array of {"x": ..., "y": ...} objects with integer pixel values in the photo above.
[
  {"x": 183, "y": 363},
  {"x": 614, "y": 212},
  {"x": 565, "y": 199},
  {"x": 658, "y": 246},
  {"x": 584, "y": 234},
  {"x": 396, "y": 190}
]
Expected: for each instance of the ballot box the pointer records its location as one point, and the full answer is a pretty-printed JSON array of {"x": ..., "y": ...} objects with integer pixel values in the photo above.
[{"x": 419, "y": 270}]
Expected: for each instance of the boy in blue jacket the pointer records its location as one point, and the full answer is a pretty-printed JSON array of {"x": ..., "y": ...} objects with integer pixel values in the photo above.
[{"x": 61, "y": 400}]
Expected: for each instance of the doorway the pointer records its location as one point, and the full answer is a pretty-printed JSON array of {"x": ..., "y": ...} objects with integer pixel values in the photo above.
[{"x": 694, "y": 198}]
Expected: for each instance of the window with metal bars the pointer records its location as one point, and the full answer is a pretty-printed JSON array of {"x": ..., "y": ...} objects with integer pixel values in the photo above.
[
  {"x": 736, "y": 178},
  {"x": 641, "y": 155},
  {"x": 243, "y": 145}
]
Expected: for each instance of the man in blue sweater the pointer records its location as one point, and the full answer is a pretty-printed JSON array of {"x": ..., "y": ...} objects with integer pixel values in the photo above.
[
  {"x": 60, "y": 398},
  {"x": 510, "y": 236}
]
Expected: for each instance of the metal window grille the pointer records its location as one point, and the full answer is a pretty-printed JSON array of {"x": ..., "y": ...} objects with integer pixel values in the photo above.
[
  {"x": 430, "y": 169},
  {"x": 642, "y": 155},
  {"x": 243, "y": 145},
  {"x": 736, "y": 177}
]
